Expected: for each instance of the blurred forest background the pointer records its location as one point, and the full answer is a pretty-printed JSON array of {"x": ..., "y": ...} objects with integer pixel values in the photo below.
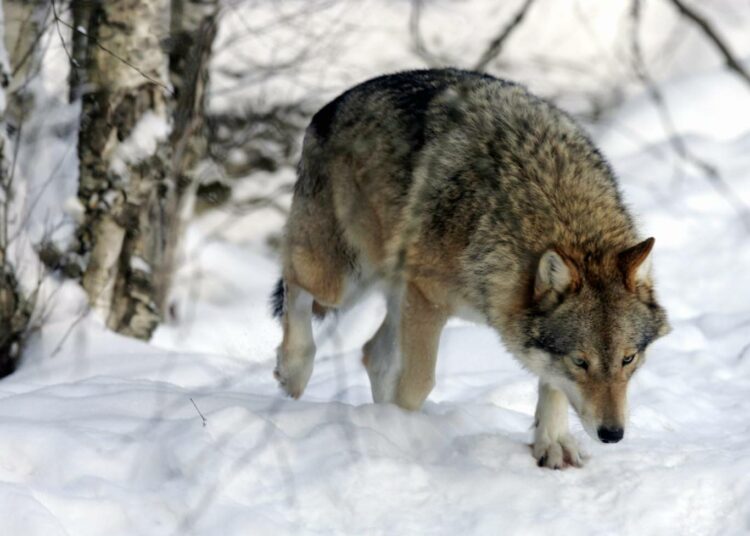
[{"x": 125, "y": 120}]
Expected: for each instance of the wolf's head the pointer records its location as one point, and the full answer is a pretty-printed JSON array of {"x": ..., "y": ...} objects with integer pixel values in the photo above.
[{"x": 592, "y": 318}]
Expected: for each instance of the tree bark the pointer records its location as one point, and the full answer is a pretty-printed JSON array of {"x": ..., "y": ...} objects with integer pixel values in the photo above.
[
  {"x": 124, "y": 159},
  {"x": 140, "y": 135}
]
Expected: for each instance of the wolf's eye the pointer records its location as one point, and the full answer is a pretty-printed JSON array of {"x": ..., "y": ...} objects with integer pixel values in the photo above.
[
  {"x": 628, "y": 359},
  {"x": 578, "y": 362}
]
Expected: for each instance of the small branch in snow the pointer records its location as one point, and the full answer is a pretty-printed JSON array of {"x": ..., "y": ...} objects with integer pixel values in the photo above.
[{"x": 203, "y": 418}]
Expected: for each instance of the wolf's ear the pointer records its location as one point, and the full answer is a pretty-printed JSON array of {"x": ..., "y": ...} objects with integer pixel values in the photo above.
[
  {"x": 635, "y": 264},
  {"x": 554, "y": 272}
]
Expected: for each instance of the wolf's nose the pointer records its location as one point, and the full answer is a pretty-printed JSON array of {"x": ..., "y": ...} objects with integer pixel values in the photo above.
[{"x": 610, "y": 435}]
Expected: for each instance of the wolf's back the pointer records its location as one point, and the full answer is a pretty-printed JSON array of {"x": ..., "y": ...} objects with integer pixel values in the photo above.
[
  {"x": 459, "y": 164},
  {"x": 388, "y": 113}
]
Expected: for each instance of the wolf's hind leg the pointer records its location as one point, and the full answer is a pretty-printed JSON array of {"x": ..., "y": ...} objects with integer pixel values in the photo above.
[
  {"x": 382, "y": 353},
  {"x": 295, "y": 355},
  {"x": 554, "y": 446},
  {"x": 421, "y": 324}
]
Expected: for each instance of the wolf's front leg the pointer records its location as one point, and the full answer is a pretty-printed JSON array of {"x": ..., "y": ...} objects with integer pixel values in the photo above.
[
  {"x": 421, "y": 324},
  {"x": 553, "y": 445}
]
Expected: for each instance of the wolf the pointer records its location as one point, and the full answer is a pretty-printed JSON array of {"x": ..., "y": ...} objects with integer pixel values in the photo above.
[{"x": 461, "y": 193}]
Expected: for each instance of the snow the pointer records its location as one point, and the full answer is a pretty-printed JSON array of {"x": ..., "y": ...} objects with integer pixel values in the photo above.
[
  {"x": 101, "y": 434},
  {"x": 148, "y": 132},
  {"x": 140, "y": 264},
  {"x": 715, "y": 115}
]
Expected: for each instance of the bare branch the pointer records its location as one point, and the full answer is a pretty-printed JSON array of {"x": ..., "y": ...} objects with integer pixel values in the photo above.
[
  {"x": 496, "y": 45},
  {"x": 700, "y": 21},
  {"x": 21, "y": 62},
  {"x": 682, "y": 150},
  {"x": 73, "y": 64},
  {"x": 415, "y": 30}
]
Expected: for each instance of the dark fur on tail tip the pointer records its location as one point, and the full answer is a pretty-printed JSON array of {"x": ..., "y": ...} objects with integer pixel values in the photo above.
[{"x": 277, "y": 299}]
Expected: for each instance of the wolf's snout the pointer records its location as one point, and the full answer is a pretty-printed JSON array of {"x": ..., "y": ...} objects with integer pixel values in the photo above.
[{"x": 610, "y": 435}]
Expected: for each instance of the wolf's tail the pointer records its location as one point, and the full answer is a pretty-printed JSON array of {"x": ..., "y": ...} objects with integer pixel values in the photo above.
[
  {"x": 277, "y": 299},
  {"x": 277, "y": 303}
]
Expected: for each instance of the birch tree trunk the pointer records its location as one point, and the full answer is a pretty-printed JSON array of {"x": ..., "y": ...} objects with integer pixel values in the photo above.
[
  {"x": 139, "y": 123},
  {"x": 124, "y": 158}
]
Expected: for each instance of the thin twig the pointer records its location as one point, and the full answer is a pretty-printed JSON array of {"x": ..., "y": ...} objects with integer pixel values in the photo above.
[
  {"x": 26, "y": 55},
  {"x": 710, "y": 171},
  {"x": 108, "y": 51},
  {"x": 59, "y": 33},
  {"x": 8, "y": 185},
  {"x": 729, "y": 58},
  {"x": 496, "y": 45},
  {"x": 70, "y": 329},
  {"x": 38, "y": 197},
  {"x": 415, "y": 18}
]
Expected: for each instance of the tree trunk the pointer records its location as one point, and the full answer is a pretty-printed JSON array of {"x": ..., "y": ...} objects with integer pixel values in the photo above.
[
  {"x": 193, "y": 29},
  {"x": 140, "y": 119},
  {"x": 15, "y": 306},
  {"x": 124, "y": 158},
  {"x": 82, "y": 11},
  {"x": 14, "y": 314},
  {"x": 24, "y": 24}
]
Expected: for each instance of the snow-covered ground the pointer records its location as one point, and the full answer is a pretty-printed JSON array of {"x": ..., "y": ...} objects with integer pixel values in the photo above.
[{"x": 189, "y": 434}]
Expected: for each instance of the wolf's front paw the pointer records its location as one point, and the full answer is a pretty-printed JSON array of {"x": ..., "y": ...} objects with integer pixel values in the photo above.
[
  {"x": 293, "y": 371},
  {"x": 558, "y": 452}
]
